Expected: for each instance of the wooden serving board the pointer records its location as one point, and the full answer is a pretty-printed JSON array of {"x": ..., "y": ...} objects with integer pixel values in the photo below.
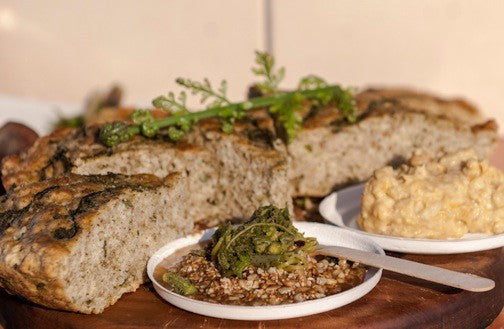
[{"x": 397, "y": 301}]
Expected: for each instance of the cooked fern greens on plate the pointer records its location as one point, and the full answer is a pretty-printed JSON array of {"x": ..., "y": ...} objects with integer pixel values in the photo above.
[
  {"x": 264, "y": 261},
  {"x": 267, "y": 239}
]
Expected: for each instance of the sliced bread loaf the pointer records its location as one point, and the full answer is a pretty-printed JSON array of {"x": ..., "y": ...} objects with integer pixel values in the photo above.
[
  {"x": 79, "y": 242},
  {"x": 227, "y": 175},
  {"x": 329, "y": 153}
]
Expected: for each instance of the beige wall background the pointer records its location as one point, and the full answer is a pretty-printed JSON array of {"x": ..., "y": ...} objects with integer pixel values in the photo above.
[{"x": 57, "y": 51}]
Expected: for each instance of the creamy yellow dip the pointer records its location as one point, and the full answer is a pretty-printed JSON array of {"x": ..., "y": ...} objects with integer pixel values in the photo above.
[{"x": 444, "y": 198}]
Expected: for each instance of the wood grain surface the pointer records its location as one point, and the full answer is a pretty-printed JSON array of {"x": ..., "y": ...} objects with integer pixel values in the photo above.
[{"x": 397, "y": 301}]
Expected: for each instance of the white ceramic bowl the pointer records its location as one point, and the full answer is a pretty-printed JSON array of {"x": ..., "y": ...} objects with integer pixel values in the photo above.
[{"x": 325, "y": 234}]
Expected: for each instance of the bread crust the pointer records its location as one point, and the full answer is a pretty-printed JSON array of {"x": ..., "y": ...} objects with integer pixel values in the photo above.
[{"x": 375, "y": 101}]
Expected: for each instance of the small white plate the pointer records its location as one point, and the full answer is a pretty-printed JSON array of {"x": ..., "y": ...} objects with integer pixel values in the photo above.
[
  {"x": 342, "y": 208},
  {"x": 325, "y": 234}
]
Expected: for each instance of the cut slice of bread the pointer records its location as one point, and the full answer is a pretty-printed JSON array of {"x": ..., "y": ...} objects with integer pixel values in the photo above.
[
  {"x": 78, "y": 243},
  {"x": 195, "y": 164},
  {"x": 329, "y": 153},
  {"x": 252, "y": 168}
]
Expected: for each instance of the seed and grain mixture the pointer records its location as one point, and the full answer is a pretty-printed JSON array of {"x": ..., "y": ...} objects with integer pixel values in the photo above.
[
  {"x": 271, "y": 286},
  {"x": 265, "y": 261}
]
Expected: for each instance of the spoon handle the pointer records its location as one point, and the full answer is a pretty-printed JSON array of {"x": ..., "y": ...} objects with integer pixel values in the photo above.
[{"x": 460, "y": 280}]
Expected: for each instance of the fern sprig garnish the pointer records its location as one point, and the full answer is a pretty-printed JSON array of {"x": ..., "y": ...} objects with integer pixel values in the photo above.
[
  {"x": 284, "y": 107},
  {"x": 265, "y": 69},
  {"x": 311, "y": 82},
  {"x": 206, "y": 91},
  {"x": 346, "y": 104},
  {"x": 175, "y": 106},
  {"x": 287, "y": 112},
  {"x": 172, "y": 104}
]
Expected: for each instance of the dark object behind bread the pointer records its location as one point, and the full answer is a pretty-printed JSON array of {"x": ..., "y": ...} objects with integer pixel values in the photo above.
[{"x": 14, "y": 139}]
